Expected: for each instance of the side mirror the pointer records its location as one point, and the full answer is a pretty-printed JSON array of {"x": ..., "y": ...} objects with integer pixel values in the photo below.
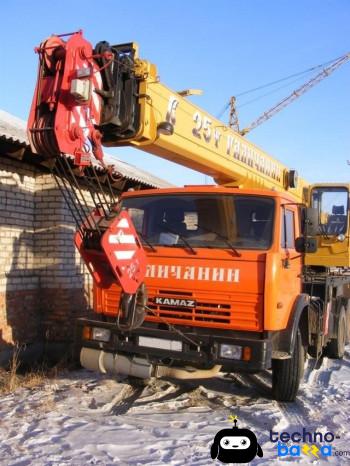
[
  {"x": 311, "y": 221},
  {"x": 305, "y": 245}
]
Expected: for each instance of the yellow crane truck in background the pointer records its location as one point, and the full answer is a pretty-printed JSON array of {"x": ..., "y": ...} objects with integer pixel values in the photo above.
[{"x": 245, "y": 275}]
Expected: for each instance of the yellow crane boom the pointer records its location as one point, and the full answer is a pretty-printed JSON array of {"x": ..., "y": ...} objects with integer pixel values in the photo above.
[{"x": 175, "y": 129}]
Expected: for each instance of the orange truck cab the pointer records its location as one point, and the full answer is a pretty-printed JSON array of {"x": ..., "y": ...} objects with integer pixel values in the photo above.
[{"x": 222, "y": 271}]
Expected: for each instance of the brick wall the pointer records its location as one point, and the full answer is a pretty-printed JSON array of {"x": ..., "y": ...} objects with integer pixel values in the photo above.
[
  {"x": 19, "y": 319},
  {"x": 65, "y": 284},
  {"x": 43, "y": 284}
]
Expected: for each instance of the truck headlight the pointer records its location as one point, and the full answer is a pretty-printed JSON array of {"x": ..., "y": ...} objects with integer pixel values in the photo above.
[
  {"x": 100, "y": 334},
  {"x": 230, "y": 351}
]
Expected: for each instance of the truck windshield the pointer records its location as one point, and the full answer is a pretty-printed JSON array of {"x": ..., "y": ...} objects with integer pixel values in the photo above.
[
  {"x": 332, "y": 206},
  {"x": 203, "y": 221}
]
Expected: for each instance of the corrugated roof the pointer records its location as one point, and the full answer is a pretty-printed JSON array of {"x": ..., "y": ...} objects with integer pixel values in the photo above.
[
  {"x": 134, "y": 173},
  {"x": 13, "y": 129}
]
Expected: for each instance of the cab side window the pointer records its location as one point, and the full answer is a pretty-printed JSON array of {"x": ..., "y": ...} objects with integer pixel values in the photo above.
[{"x": 287, "y": 229}]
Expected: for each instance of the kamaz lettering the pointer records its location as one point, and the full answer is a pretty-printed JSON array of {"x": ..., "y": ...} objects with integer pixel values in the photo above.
[{"x": 174, "y": 301}]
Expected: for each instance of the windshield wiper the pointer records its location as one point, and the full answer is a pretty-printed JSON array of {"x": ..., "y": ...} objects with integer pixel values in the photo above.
[
  {"x": 143, "y": 237},
  {"x": 323, "y": 231},
  {"x": 183, "y": 239},
  {"x": 224, "y": 238}
]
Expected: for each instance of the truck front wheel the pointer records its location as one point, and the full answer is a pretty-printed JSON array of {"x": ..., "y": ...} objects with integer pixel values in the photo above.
[{"x": 286, "y": 373}]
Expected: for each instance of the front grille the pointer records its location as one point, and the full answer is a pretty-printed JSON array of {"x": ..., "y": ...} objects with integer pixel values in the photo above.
[
  {"x": 237, "y": 311},
  {"x": 210, "y": 312},
  {"x": 202, "y": 312}
]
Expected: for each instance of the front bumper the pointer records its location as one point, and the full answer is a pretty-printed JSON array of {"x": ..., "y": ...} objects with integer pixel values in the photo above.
[{"x": 199, "y": 350}]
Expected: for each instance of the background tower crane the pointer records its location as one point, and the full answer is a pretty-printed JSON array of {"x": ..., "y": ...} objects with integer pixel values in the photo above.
[{"x": 233, "y": 118}]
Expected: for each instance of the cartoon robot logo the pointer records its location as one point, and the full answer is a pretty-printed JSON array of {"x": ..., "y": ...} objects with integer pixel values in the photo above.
[{"x": 235, "y": 445}]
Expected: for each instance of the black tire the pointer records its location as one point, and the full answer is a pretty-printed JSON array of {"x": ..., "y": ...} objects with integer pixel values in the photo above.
[
  {"x": 336, "y": 347},
  {"x": 287, "y": 373}
]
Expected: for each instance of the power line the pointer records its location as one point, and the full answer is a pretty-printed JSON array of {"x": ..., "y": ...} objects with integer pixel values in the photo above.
[
  {"x": 269, "y": 93},
  {"x": 309, "y": 70},
  {"x": 271, "y": 83}
]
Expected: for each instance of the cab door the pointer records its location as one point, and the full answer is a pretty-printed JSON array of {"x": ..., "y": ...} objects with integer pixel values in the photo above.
[{"x": 291, "y": 260}]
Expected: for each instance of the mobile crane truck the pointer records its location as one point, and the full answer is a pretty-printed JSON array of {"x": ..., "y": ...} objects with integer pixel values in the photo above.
[{"x": 246, "y": 275}]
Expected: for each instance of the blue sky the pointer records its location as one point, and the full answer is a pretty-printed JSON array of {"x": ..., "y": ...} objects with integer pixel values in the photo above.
[{"x": 223, "y": 47}]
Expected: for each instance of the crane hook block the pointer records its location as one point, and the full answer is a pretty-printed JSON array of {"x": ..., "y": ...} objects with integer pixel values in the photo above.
[{"x": 66, "y": 107}]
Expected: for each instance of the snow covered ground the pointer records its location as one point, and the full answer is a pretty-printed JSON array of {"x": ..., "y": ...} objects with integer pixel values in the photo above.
[{"x": 82, "y": 419}]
